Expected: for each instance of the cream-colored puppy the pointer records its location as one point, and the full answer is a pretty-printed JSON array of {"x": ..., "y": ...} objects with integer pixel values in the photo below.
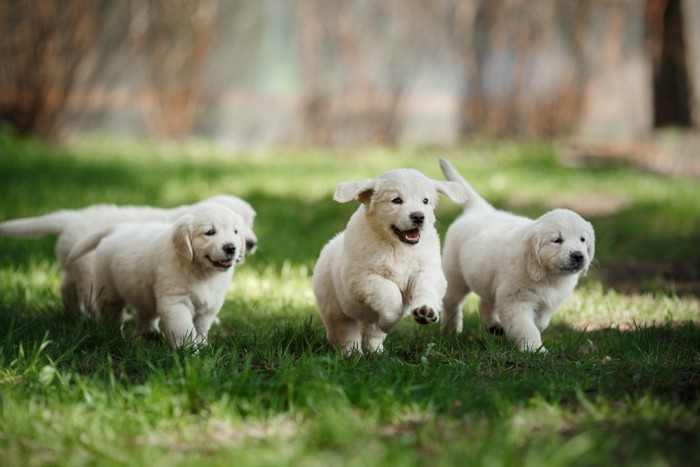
[
  {"x": 77, "y": 289},
  {"x": 177, "y": 273},
  {"x": 522, "y": 269},
  {"x": 386, "y": 264}
]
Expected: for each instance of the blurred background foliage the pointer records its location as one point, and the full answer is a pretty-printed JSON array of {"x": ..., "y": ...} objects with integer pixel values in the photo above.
[{"x": 349, "y": 72}]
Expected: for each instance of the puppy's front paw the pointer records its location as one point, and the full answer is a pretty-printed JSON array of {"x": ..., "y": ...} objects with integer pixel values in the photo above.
[
  {"x": 425, "y": 315},
  {"x": 386, "y": 326},
  {"x": 532, "y": 347}
]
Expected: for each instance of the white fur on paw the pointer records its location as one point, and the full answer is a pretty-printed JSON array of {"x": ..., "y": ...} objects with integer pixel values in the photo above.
[
  {"x": 425, "y": 315},
  {"x": 533, "y": 348}
]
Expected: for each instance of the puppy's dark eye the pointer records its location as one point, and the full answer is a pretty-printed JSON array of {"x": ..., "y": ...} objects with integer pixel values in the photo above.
[
  {"x": 425, "y": 201},
  {"x": 210, "y": 232},
  {"x": 583, "y": 239},
  {"x": 397, "y": 200},
  {"x": 236, "y": 231},
  {"x": 558, "y": 240}
]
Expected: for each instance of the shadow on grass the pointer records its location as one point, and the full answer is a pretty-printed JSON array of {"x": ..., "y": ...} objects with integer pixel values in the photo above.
[
  {"x": 34, "y": 178},
  {"x": 650, "y": 247},
  {"x": 657, "y": 360}
]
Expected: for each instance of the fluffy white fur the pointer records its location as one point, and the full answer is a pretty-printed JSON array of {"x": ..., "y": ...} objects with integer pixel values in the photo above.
[
  {"x": 386, "y": 264},
  {"x": 176, "y": 273},
  {"x": 77, "y": 288},
  {"x": 522, "y": 269}
]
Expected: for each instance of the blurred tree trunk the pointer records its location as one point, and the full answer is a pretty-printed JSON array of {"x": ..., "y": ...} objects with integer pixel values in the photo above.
[
  {"x": 472, "y": 107},
  {"x": 314, "y": 104},
  {"x": 45, "y": 50},
  {"x": 504, "y": 46},
  {"x": 672, "y": 93},
  {"x": 352, "y": 88},
  {"x": 174, "y": 38},
  {"x": 52, "y": 50}
]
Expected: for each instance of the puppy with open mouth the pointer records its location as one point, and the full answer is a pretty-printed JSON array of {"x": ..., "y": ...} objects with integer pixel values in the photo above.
[
  {"x": 71, "y": 225},
  {"x": 386, "y": 264},
  {"x": 522, "y": 269},
  {"x": 173, "y": 275}
]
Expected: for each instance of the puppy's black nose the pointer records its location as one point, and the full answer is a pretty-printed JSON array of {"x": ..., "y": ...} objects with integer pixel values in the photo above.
[
  {"x": 577, "y": 257},
  {"x": 229, "y": 248},
  {"x": 417, "y": 218}
]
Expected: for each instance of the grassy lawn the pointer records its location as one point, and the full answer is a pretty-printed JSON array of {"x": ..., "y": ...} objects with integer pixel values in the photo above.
[{"x": 620, "y": 384}]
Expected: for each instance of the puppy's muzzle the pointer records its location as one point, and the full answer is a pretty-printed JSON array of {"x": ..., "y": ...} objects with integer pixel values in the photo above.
[
  {"x": 226, "y": 262},
  {"x": 576, "y": 261},
  {"x": 411, "y": 236}
]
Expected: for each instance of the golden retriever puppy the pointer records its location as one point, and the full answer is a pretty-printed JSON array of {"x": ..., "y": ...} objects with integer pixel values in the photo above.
[
  {"x": 386, "y": 264},
  {"x": 521, "y": 269},
  {"x": 176, "y": 273},
  {"x": 77, "y": 289}
]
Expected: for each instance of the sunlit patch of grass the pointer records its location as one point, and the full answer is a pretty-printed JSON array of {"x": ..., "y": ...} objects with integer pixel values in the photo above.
[
  {"x": 32, "y": 288},
  {"x": 591, "y": 307},
  {"x": 286, "y": 288}
]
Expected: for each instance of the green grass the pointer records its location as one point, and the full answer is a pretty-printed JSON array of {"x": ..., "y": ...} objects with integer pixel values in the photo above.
[{"x": 620, "y": 384}]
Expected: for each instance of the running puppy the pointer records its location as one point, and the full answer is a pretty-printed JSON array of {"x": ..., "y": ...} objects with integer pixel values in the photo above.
[
  {"x": 522, "y": 269},
  {"x": 176, "y": 273},
  {"x": 386, "y": 264},
  {"x": 77, "y": 288}
]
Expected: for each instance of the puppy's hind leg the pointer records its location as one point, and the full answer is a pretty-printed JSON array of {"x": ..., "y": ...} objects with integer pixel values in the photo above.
[
  {"x": 372, "y": 338},
  {"x": 490, "y": 318},
  {"x": 77, "y": 276},
  {"x": 457, "y": 290},
  {"x": 452, "y": 303},
  {"x": 69, "y": 295},
  {"x": 147, "y": 324},
  {"x": 106, "y": 305},
  {"x": 112, "y": 312},
  {"x": 344, "y": 333},
  {"x": 341, "y": 331}
]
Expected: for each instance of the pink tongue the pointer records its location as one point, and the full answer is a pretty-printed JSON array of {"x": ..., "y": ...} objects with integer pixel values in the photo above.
[{"x": 412, "y": 235}]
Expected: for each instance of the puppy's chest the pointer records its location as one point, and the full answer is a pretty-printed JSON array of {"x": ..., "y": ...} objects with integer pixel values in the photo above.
[
  {"x": 208, "y": 296},
  {"x": 399, "y": 272},
  {"x": 544, "y": 299},
  {"x": 200, "y": 303}
]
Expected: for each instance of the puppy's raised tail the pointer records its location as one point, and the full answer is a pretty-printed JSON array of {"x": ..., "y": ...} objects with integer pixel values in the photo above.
[
  {"x": 88, "y": 243},
  {"x": 474, "y": 200},
  {"x": 52, "y": 223}
]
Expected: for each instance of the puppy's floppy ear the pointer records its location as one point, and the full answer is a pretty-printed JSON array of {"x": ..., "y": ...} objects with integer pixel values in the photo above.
[
  {"x": 361, "y": 191},
  {"x": 590, "y": 246},
  {"x": 533, "y": 263},
  {"x": 240, "y": 259},
  {"x": 182, "y": 238},
  {"x": 453, "y": 190}
]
